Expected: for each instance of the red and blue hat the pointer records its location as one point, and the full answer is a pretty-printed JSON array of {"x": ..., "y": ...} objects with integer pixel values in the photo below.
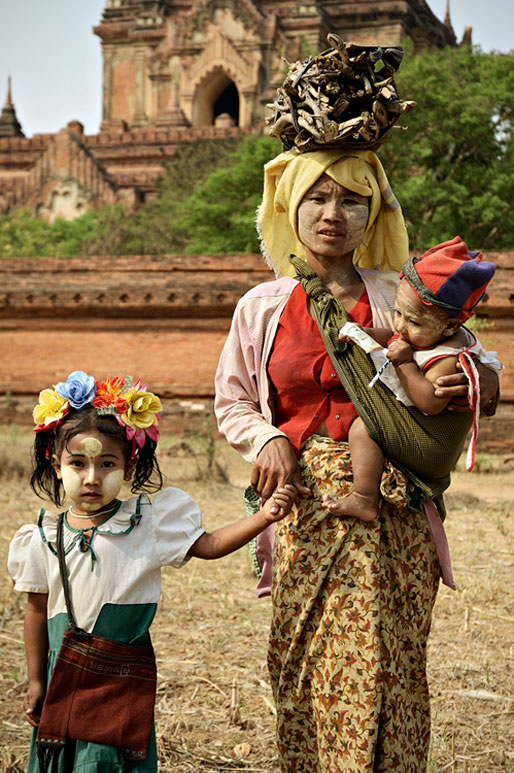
[{"x": 450, "y": 277}]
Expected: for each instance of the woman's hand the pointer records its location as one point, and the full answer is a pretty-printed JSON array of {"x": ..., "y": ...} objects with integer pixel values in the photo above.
[
  {"x": 455, "y": 387},
  {"x": 276, "y": 465},
  {"x": 33, "y": 703}
]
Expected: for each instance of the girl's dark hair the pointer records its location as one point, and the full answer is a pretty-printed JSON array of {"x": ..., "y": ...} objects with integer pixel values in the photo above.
[{"x": 44, "y": 481}]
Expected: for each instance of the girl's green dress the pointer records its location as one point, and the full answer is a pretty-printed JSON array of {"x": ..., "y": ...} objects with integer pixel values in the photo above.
[{"x": 115, "y": 582}]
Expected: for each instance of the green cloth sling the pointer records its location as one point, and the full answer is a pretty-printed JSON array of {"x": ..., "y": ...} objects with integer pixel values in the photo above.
[{"x": 425, "y": 448}]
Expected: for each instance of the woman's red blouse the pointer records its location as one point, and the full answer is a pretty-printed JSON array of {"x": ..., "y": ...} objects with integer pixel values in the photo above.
[{"x": 307, "y": 390}]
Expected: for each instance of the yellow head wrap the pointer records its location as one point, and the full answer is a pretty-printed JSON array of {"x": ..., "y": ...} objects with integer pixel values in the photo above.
[{"x": 288, "y": 177}]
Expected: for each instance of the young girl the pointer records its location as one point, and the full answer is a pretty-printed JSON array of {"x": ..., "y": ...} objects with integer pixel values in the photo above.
[{"x": 91, "y": 436}]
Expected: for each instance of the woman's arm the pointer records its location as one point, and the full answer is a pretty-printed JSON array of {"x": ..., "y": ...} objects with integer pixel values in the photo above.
[
  {"x": 232, "y": 537},
  {"x": 239, "y": 412},
  {"x": 36, "y": 651}
]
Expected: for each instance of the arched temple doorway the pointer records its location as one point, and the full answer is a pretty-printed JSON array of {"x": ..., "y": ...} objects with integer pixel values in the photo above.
[
  {"x": 228, "y": 103},
  {"x": 217, "y": 95}
]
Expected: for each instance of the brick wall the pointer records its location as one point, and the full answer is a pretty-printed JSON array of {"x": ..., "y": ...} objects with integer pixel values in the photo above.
[{"x": 167, "y": 318}]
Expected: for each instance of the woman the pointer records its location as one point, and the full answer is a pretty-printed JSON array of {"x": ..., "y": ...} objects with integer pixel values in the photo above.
[{"x": 352, "y": 601}]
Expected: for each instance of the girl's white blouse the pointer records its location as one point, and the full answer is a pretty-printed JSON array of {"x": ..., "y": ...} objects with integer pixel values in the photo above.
[{"x": 124, "y": 562}]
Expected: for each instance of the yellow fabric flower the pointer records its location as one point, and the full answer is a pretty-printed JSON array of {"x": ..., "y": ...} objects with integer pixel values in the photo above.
[
  {"x": 142, "y": 408},
  {"x": 51, "y": 407}
]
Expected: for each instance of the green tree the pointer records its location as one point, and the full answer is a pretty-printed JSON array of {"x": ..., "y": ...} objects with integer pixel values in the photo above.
[
  {"x": 453, "y": 170},
  {"x": 220, "y": 213},
  {"x": 158, "y": 227},
  {"x": 167, "y": 216},
  {"x": 23, "y": 235}
]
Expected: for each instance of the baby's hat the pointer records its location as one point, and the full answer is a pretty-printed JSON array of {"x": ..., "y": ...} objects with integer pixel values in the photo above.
[{"x": 451, "y": 277}]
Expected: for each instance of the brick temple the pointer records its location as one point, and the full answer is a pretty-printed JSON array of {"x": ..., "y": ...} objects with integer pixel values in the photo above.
[
  {"x": 185, "y": 70},
  {"x": 176, "y": 71}
]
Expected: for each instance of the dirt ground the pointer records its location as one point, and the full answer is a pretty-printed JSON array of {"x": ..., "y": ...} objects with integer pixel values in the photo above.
[{"x": 214, "y": 704}]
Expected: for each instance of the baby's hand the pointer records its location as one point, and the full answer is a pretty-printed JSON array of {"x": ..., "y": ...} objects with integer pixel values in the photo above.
[
  {"x": 346, "y": 339},
  {"x": 280, "y": 503},
  {"x": 399, "y": 352},
  {"x": 33, "y": 703}
]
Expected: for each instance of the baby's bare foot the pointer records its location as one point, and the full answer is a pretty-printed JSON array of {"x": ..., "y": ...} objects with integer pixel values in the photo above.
[{"x": 358, "y": 505}]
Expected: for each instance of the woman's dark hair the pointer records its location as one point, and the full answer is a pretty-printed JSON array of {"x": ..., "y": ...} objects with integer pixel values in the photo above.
[{"x": 44, "y": 481}]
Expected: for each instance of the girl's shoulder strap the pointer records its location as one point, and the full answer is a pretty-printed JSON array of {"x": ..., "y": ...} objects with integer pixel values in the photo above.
[
  {"x": 40, "y": 517},
  {"x": 142, "y": 501},
  {"x": 47, "y": 526}
]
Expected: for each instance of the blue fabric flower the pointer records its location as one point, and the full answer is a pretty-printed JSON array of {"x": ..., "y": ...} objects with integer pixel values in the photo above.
[{"x": 79, "y": 389}]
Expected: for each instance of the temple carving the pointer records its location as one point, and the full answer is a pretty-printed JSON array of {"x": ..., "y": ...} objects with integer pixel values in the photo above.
[{"x": 182, "y": 70}]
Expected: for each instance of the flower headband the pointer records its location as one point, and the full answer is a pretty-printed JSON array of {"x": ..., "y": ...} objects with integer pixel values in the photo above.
[{"x": 128, "y": 401}]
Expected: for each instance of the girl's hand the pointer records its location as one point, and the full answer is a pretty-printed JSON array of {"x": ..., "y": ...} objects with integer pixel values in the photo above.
[
  {"x": 400, "y": 352},
  {"x": 279, "y": 504},
  {"x": 33, "y": 703}
]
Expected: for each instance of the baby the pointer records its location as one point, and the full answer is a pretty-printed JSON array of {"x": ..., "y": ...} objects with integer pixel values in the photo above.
[{"x": 436, "y": 294}]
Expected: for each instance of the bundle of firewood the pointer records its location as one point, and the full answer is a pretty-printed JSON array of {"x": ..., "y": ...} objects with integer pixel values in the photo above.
[{"x": 343, "y": 97}]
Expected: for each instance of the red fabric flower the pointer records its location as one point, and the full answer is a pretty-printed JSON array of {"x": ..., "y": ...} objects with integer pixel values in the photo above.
[{"x": 109, "y": 394}]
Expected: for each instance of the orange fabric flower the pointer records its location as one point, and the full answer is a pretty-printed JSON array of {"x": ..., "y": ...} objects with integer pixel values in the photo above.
[{"x": 109, "y": 394}]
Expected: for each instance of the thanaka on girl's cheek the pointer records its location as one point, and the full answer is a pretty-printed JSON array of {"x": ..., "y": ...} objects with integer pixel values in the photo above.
[
  {"x": 92, "y": 469},
  {"x": 108, "y": 489}
]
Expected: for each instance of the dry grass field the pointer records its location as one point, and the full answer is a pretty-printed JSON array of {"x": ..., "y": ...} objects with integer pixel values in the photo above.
[{"x": 214, "y": 704}]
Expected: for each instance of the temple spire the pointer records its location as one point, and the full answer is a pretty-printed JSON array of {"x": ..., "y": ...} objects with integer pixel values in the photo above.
[
  {"x": 447, "y": 17},
  {"x": 9, "y": 124}
]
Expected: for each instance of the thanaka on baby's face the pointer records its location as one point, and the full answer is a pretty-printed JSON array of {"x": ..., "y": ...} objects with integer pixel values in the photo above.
[
  {"x": 92, "y": 467},
  {"x": 419, "y": 324}
]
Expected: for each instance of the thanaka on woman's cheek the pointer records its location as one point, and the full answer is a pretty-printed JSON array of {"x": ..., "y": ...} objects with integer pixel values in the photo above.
[{"x": 332, "y": 219}]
